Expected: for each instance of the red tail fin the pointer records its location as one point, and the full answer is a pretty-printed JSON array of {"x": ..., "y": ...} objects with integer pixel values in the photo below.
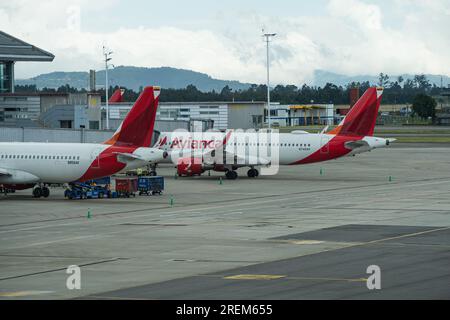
[
  {"x": 137, "y": 127},
  {"x": 360, "y": 120},
  {"x": 116, "y": 96}
]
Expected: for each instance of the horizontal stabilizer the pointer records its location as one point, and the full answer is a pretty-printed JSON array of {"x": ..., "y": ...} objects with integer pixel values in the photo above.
[
  {"x": 130, "y": 156},
  {"x": 352, "y": 145}
]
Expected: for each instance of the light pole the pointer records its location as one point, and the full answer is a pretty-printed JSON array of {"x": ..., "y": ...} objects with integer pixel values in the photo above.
[
  {"x": 107, "y": 54},
  {"x": 268, "y": 36}
]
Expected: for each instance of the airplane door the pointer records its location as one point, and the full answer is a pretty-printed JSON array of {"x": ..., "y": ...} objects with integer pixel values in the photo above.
[{"x": 324, "y": 144}]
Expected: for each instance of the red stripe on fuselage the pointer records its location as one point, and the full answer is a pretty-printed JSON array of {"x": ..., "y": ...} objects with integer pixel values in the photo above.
[
  {"x": 335, "y": 148},
  {"x": 106, "y": 163}
]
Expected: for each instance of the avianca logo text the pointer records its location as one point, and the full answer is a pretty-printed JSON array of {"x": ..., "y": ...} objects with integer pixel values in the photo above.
[{"x": 191, "y": 144}]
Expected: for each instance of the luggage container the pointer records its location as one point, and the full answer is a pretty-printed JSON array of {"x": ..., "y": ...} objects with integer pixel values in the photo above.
[
  {"x": 150, "y": 185},
  {"x": 126, "y": 186}
]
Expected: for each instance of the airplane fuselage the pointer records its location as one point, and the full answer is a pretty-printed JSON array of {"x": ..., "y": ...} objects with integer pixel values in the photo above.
[
  {"x": 63, "y": 162},
  {"x": 292, "y": 148}
]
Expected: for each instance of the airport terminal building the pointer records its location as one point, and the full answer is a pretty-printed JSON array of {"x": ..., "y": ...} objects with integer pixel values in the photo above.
[
  {"x": 19, "y": 109},
  {"x": 211, "y": 115}
]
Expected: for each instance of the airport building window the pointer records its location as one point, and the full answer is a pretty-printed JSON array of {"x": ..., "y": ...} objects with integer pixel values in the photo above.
[{"x": 6, "y": 77}]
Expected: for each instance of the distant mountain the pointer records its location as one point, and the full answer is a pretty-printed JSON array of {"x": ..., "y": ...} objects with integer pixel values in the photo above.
[
  {"x": 321, "y": 78},
  {"x": 166, "y": 77},
  {"x": 134, "y": 78}
]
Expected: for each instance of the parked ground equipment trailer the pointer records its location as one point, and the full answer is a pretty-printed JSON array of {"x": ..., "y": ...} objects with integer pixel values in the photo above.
[
  {"x": 126, "y": 186},
  {"x": 86, "y": 191},
  {"x": 150, "y": 185}
]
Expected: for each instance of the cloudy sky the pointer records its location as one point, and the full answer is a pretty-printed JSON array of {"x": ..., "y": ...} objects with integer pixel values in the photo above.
[{"x": 223, "y": 39}]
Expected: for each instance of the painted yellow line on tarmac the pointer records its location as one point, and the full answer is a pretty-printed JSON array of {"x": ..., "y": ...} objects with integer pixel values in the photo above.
[
  {"x": 254, "y": 277},
  {"x": 16, "y": 294},
  {"x": 275, "y": 277},
  {"x": 329, "y": 279},
  {"x": 303, "y": 241}
]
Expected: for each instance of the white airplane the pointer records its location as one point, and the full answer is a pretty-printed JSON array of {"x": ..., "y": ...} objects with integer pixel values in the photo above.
[
  {"x": 194, "y": 155},
  {"x": 28, "y": 165}
]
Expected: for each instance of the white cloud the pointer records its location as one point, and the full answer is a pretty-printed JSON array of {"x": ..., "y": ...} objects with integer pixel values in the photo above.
[
  {"x": 366, "y": 16},
  {"x": 350, "y": 37}
]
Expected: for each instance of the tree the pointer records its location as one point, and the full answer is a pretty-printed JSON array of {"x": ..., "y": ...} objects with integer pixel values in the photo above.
[
  {"x": 424, "y": 106},
  {"x": 422, "y": 82},
  {"x": 383, "y": 80}
]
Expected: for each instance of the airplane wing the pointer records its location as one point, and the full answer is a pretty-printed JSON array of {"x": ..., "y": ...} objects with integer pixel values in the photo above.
[
  {"x": 236, "y": 160},
  {"x": 5, "y": 172}
]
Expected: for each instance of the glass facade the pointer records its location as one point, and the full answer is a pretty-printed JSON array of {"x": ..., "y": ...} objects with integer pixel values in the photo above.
[{"x": 6, "y": 77}]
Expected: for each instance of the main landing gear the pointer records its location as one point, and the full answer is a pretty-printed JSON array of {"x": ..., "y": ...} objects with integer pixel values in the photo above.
[
  {"x": 41, "y": 192},
  {"x": 252, "y": 173},
  {"x": 231, "y": 175},
  {"x": 152, "y": 168}
]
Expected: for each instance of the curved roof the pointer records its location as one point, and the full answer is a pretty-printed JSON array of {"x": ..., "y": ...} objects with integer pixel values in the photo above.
[{"x": 13, "y": 49}]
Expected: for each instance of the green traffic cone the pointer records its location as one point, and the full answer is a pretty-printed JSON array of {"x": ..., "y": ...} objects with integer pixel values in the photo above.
[{"x": 171, "y": 201}]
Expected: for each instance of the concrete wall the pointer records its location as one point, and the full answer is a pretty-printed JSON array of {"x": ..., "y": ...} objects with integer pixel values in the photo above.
[
  {"x": 52, "y": 135},
  {"x": 75, "y": 135},
  {"x": 52, "y": 117},
  {"x": 240, "y": 116},
  {"x": 50, "y": 100},
  {"x": 14, "y": 108}
]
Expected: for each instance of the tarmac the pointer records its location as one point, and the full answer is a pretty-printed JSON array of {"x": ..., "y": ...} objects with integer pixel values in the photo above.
[{"x": 309, "y": 232}]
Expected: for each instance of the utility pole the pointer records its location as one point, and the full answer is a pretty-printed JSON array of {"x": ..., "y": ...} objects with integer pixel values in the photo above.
[
  {"x": 268, "y": 36},
  {"x": 107, "y": 54}
]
